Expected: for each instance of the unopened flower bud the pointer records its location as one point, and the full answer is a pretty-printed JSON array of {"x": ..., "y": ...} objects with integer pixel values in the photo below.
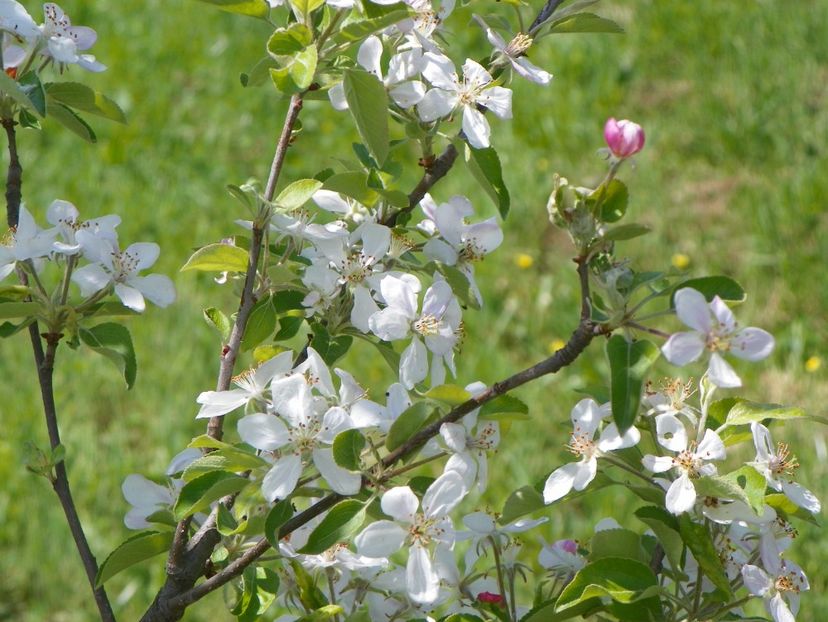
[
  {"x": 624, "y": 138},
  {"x": 490, "y": 598}
]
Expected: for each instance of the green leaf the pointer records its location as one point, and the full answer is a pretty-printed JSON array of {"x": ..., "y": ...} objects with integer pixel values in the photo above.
[
  {"x": 407, "y": 424},
  {"x": 289, "y": 41},
  {"x": 297, "y": 194},
  {"x": 614, "y": 198},
  {"x": 629, "y": 363},
  {"x": 260, "y": 325},
  {"x": 484, "y": 165},
  {"x": 697, "y": 538},
  {"x": 753, "y": 485},
  {"x": 623, "y": 580},
  {"x": 199, "y": 493},
  {"x": 260, "y": 72},
  {"x": 450, "y": 394},
  {"x": 12, "y": 88},
  {"x": 626, "y": 232},
  {"x": 218, "y": 258},
  {"x": 368, "y": 104},
  {"x": 353, "y": 184},
  {"x": 460, "y": 285},
  {"x": 208, "y": 442},
  {"x": 666, "y": 528},
  {"x": 522, "y": 501},
  {"x": 114, "y": 342},
  {"x": 253, "y": 8},
  {"x": 344, "y": 519},
  {"x": 358, "y": 31},
  {"x": 722, "y": 488},
  {"x": 80, "y": 97},
  {"x": 787, "y": 508},
  {"x": 303, "y": 68},
  {"x": 221, "y": 322},
  {"x": 30, "y": 84},
  {"x": 228, "y": 459},
  {"x": 744, "y": 412},
  {"x": 585, "y": 22},
  {"x": 347, "y": 449},
  {"x": 69, "y": 119},
  {"x": 278, "y": 515},
  {"x": 136, "y": 549},
  {"x": 389, "y": 354},
  {"x": 331, "y": 349},
  {"x": 323, "y": 614},
  {"x": 722, "y": 286},
  {"x": 617, "y": 543},
  {"x": 11, "y": 310},
  {"x": 504, "y": 404},
  {"x": 306, "y": 7}
]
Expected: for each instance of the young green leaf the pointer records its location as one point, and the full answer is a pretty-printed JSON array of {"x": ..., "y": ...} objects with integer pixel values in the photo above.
[
  {"x": 199, "y": 493},
  {"x": 80, "y": 97},
  {"x": 629, "y": 362},
  {"x": 344, "y": 519},
  {"x": 136, "y": 549},
  {"x": 368, "y": 104},
  {"x": 253, "y": 8},
  {"x": 484, "y": 165},
  {"x": 69, "y": 119},
  {"x": 407, "y": 424},
  {"x": 217, "y": 258},
  {"x": 114, "y": 342},
  {"x": 347, "y": 449}
]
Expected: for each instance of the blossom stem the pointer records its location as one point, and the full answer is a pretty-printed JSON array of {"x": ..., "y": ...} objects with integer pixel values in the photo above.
[
  {"x": 647, "y": 329},
  {"x": 626, "y": 467},
  {"x": 412, "y": 466},
  {"x": 705, "y": 407},
  {"x": 64, "y": 288},
  {"x": 501, "y": 584}
]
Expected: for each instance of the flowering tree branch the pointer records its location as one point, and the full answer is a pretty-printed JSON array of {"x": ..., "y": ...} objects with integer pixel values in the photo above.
[
  {"x": 45, "y": 364},
  {"x": 578, "y": 342}
]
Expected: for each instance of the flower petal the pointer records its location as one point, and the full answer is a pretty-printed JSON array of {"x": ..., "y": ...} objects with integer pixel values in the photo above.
[
  {"x": 444, "y": 494},
  {"x": 263, "y": 431},
  {"x": 422, "y": 582},
  {"x": 400, "y": 503},
  {"x": 380, "y": 539},
  {"x": 475, "y": 127},
  {"x": 752, "y": 344},
  {"x": 692, "y": 309},
  {"x": 281, "y": 479},
  {"x": 683, "y": 348},
  {"x": 721, "y": 373},
  {"x": 340, "y": 480},
  {"x": 559, "y": 483},
  {"x": 681, "y": 496}
]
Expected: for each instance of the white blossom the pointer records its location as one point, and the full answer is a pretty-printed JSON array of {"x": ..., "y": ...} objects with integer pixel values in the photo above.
[
  {"x": 515, "y": 53},
  {"x": 779, "y": 586}
]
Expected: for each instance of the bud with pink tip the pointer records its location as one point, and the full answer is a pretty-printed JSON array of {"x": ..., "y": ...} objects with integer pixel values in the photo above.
[{"x": 624, "y": 138}]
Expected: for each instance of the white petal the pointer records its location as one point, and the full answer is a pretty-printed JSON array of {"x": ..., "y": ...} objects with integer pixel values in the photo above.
[
  {"x": 399, "y": 294},
  {"x": 671, "y": 432},
  {"x": 756, "y": 580},
  {"x": 721, "y": 373},
  {"x": 454, "y": 436},
  {"x": 422, "y": 582},
  {"x": 681, "y": 496},
  {"x": 159, "y": 289},
  {"x": 146, "y": 254},
  {"x": 498, "y": 100},
  {"x": 803, "y": 497},
  {"x": 380, "y": 539},
  {"x": 463, "y": 464},
  {"x": 438, "y": 249},
  {"x": 486, "y": 235},
  {"x": 683, "y": 348},
  {"x": 331, "y": 202},
  {"x": 723, "y": 314},
  {"x": 217, "y": 403},
  {"x": 364, "y": 308},
  {"x": 525, "y": 68},
  {"x": 413, "y": 364},
  {"x": 337, "y": 96},
  {"x": 692, "y": 309},
  {"x": 340, "y": 480},
  {"x": 480, "y": 522},
  {"x": 444, "y": 494},
  {"x": 779, "y": 609},
  {"x": 752, "y": 344},
  {"x": 657, "y": 464},
  {"x": 262, "y": 431},
  {"x": 400, "y": 503},
  {"x": 436, "y": 104},
  {"x": 390, "y": 324},
  {"x": 474, "y": 73},
  {"x": 336, "y": 420},
  {"x": 408, "y": 94},
  {"x": 559, "y": 483},
  {"x": 281, "y": 479},
  {"x": 436, "y": 299},
  {"x": 145, "y": 494},
  {"x": 586, "y": 415},
  {"x": 711, "y": 447},
  {"x": 404, "y": 66},
  {"x": 91, "y": 278},
  {"x": 131, "y": 297},
  {"x": 369, "y": 55},
  {"x": 584, "y": 473},
  {"x": 439, "y": 70},
  {"x": 610, "y": 440},
  {"x": 475, "y": 127}
]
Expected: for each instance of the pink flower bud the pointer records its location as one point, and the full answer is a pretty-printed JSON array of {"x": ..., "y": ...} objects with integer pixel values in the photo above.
[
  {"x": 570, "y": 546},
  {"x": 624, "y": 138},
  {"x": 489, "y": 597}
]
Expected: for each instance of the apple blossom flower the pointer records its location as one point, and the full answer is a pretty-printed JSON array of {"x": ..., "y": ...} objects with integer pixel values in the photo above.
[
  {"x": 307, "y": 437},
  {"x": 15, "y": 20},
  {"x": 714, "y": 329},
  {"x": 64, "y": 41},
  {"x": 779, "y": 586},
  {"x": 402, "y": 68},
  {"x": 120, "y": 269},
  {"x": 418, "y": 530},
  {"x": 778, "y": 468},
  {"x": 586, "y": 418},
  {"x": 420, "y": 29},
  {"x": 515, "y": 53},
  {"x": 691, "y": 462},
  {"x": 624, "y": 138},
  {"x": 474, "y": 90},
  {"x": 25, "y": 242},
  {"x": 438, "y": 324},
  {"x": 64, "y": 216},
  {"x": 562, "y": 558},
  {"x": 459, "y": 244},
  {"x": 469, "y": 447},
  {"x": 251, "y": 384}
]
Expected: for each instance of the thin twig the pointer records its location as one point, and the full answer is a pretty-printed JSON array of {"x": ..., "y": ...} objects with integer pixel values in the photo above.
[{"x": 45, "y": 364}]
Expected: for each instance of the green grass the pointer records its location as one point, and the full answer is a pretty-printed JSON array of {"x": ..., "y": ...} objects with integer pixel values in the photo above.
[{"x": 733, "y": 97}]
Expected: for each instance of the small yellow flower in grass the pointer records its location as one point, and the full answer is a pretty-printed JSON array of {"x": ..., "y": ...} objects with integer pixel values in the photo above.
[
  {"x": 524, "y": 261},
  {"x": 680, "y": 261},
  {"x": 813, "y": 363},
  {"x": 555, "y": 345}
]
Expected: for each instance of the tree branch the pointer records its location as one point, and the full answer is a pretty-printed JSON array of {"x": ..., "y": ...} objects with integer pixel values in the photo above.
[
  {"x": 185, "y": 563},
  {"x": 45, "y": 364}
]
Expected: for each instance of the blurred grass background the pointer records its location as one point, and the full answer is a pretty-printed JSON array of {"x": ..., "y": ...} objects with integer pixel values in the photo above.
[{"x": 734, "y": 99}]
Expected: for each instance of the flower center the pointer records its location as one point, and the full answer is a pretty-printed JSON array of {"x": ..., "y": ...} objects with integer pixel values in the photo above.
[
  {"x": 124, "y": 265},
  {"x": 400, "y": 245},
  {"x": 423, "y": 530},
  {"x": 356, "y": 267},
  {"x": 783, "y": 463},
  {"x": 471, "y": 251},
  {"x": 581, "y": 444},
  {"x": 428, "y": 325},
  {"x": 518, "y": 45},
  {"x": 786, "y": 584},
  {"x": 688, "y": 462},
  {"x": 486, "y": 438},
  {"x": 303, "y": 436}
]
